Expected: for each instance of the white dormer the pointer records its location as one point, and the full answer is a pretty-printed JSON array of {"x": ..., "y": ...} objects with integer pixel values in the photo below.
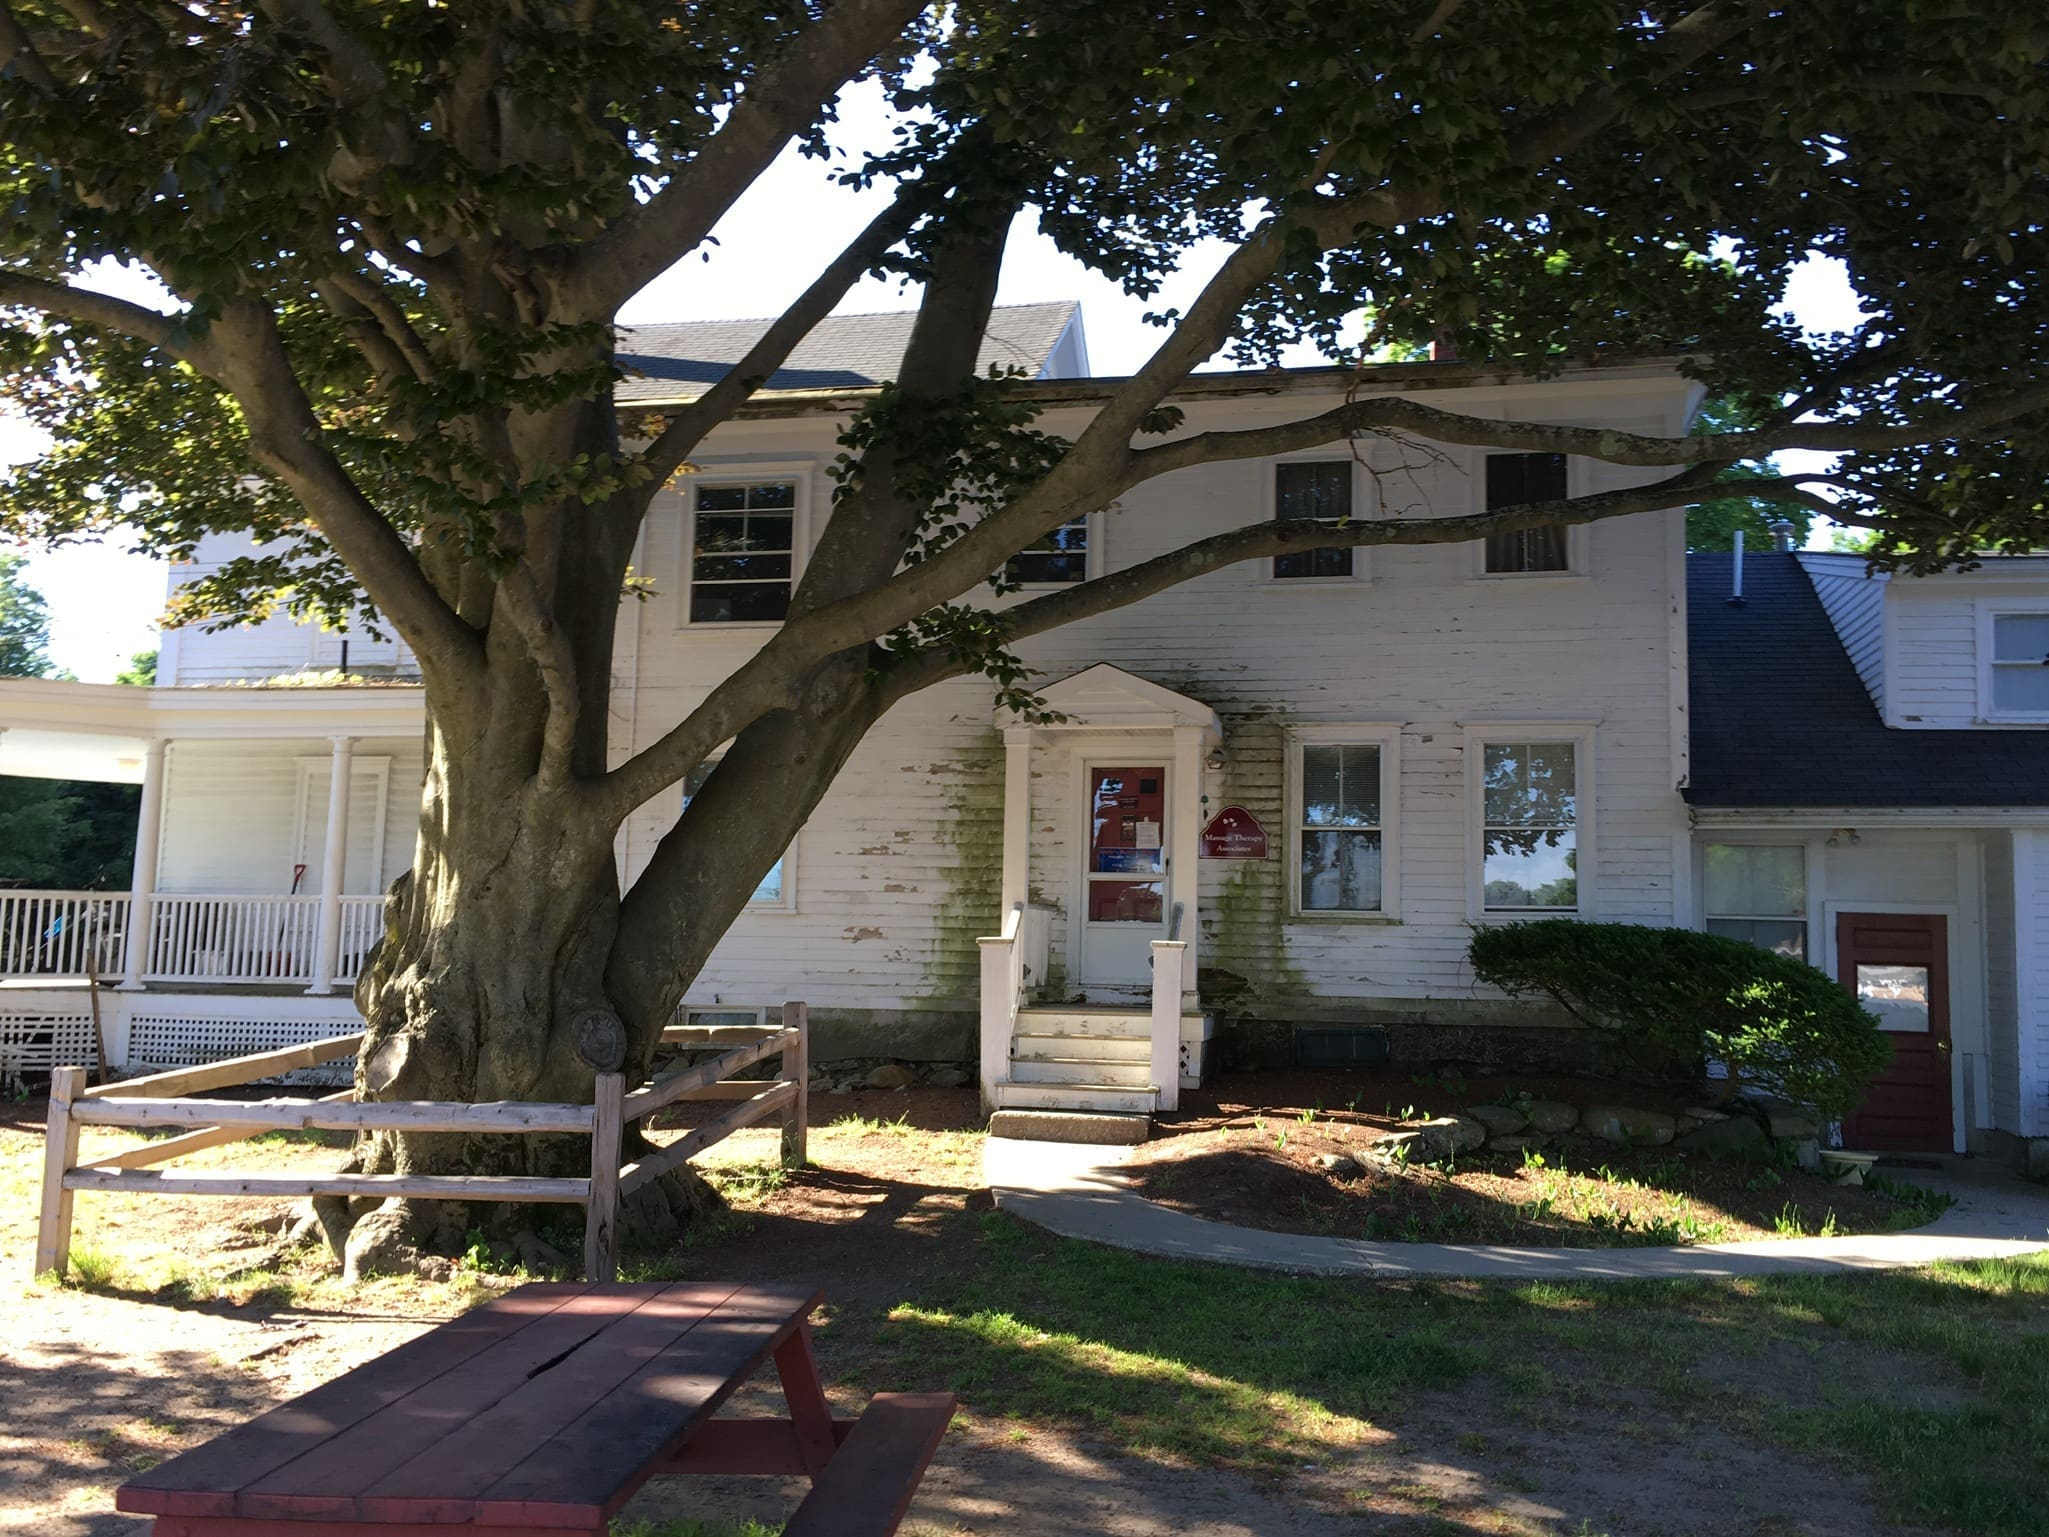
[{"x": 1953, "y": 651}]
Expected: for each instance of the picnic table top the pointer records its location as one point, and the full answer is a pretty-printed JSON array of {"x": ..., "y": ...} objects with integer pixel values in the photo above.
[{"x": 545, "y": 1407}]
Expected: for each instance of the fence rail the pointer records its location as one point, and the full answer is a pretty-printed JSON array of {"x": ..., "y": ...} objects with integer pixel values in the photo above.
[
  {"x": 62, "y": 933},
  {"x": 163, "y": 1100}
]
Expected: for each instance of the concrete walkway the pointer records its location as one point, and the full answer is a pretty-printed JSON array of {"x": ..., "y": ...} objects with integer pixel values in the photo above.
[{"x": 1080, "y": 1192}]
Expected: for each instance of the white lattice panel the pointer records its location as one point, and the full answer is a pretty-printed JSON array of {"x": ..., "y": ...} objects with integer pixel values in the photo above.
[
  {"x": 160, "y": 1039},
  {"x": 36, "y": 1040}
]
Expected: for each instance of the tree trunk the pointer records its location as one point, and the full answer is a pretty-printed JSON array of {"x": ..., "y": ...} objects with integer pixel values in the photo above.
[{"x": 495, "y": 944}]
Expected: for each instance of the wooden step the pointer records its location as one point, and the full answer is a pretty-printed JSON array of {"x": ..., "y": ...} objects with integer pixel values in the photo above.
[
  {"x": 1097, "y": 1048},
  {"x": 1137, "y": 1075},
  {"x": 1130, "y": 1100}
]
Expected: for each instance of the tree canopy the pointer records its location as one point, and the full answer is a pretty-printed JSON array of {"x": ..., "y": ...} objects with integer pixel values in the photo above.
[{"x": 394, "y": 238}]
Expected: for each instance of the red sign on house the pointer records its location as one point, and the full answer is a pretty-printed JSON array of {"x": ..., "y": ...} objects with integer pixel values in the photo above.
[{"x": 1234, "y": 833}]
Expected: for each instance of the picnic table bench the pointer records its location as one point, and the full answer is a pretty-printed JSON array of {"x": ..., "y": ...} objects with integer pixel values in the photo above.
[{"x": 541, "y": 1413}]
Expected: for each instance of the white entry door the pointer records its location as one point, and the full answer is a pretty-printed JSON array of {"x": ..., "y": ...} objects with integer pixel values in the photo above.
[{"x": 1126, "y": 893}]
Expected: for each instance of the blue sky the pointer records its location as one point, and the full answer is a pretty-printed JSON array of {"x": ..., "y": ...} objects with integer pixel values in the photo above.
[{"x": 104, "y": 601}]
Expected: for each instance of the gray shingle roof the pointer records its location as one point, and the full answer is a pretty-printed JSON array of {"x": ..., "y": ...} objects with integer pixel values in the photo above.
[
  {"x": 1780, "y": 717},
  {"x": 679, "y": 360}
]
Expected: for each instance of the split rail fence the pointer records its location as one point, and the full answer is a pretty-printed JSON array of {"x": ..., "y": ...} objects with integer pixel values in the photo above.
[{"x": 163, "y": 1101}]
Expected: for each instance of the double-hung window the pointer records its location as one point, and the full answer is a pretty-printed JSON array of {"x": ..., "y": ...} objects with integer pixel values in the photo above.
[
  {"x": 1512, "y": 481},
  {"x": 1531, "y": 830},
  {"x": 1342, "y": 801},
  {"x": 742, "y": 552},
  {"x": 1318, "y": 489},
  {"x": 1059, "y": 558},
  {"x": 1757, "y": 892},
  {"x": 777, "y": 889},
  {"x": 2016, "y": 646}
]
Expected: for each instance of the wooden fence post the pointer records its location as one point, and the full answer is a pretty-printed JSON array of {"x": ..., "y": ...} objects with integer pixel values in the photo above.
[
  {"x": 797, "y": 1068},
  {"x": 601, "y": 1212},
  {"x": 60, "y": 1152}
]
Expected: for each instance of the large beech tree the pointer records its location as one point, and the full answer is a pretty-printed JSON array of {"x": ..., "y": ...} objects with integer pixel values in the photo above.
[{"x": 395, "y": 235}]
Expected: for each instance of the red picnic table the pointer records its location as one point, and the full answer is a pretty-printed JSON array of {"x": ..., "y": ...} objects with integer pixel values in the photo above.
[{"x": 541, "y": 1413}]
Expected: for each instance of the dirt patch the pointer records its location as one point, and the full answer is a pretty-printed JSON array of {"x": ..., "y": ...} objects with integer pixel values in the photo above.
[{"x": 1256, "y": 1150}]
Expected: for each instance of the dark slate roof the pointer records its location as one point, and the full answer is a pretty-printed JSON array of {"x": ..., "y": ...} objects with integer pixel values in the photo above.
[
  {"x": 1780, "y": 717},
  {"x": 679, "y": 360}
]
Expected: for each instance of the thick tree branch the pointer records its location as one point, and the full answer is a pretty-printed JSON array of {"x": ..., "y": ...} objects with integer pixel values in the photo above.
[
  {"x": 390, "y": 319},
  {"x": 782, "y": 100},
  {"x": 85, "y": 307},
  {"x": 519, "y": 597},
  {"x": 18, "y": 54},
  {"x": 243, "y": 352}
]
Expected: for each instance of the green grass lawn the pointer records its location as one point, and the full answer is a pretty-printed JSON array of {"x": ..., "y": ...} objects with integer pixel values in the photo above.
[{"x": 1219, "y": 1366}]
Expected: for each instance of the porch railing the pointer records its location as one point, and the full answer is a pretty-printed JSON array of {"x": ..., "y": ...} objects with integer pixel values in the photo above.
[
  {"x": 192, "y": 938},
  {"x": 1170, "y": 981},
  {"x": 1013, "y": 964},
  {"x": 62, "y": 933}
]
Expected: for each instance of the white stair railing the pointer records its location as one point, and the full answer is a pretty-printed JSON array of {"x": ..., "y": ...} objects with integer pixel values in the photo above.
[
  {"x": 1013, "y": 963},
  {"x": 1169, "y": 963}
]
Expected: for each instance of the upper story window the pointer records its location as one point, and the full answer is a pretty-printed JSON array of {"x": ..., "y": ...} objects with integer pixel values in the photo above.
[
  {"x": 1530, "y": 823},
  {"x": 1061, "y": 557},
  {"x": 1513, "y": 479},
  {"x": 1342, "y": 797},
  {"x": 742, "y": 552},
  {"x": 1319, "y": 489},
  {"x": 2016, "y": 644},
  {"x": 1757, "y": 892}
]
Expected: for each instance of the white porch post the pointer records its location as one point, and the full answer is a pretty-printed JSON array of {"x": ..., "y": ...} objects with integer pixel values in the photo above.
[
  {"x": 334, "y": 860},
  {"x": 149, "y": 829},
  {"x": 1017, "y": 818},
  {"x": 1187, "y": 837}
]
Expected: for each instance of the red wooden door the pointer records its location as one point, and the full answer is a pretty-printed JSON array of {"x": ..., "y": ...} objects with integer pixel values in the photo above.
[{"x": 1898, "y": 966}]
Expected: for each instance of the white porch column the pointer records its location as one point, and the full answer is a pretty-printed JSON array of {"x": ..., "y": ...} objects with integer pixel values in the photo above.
[
  {"x": 1184, "y": 848},
  {"x": 1017, "y": 818},
  {"x": 149, "y": 831},
  {"x": 334, "y": 862}
]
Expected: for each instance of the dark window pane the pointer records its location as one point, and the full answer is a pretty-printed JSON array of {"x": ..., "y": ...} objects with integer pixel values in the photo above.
[
  {"x": 1787, "y": 937},
  {"x": 1062, "y": 556},
  {"x": 739, "y": 601},
  {"x": 1341, "y": 872},
  {"x": 741, "y": 568},
  {"x": 1516, "y": 478},
  {"x": 721, "y": 498},
  {"x": 774, "y": 494},
  {"x": 1320, "y": 490},
  {"x": 1341, "y": 786}
]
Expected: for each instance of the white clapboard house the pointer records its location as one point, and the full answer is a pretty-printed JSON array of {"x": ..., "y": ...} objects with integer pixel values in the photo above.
[{"x": 1277, "y": 801}]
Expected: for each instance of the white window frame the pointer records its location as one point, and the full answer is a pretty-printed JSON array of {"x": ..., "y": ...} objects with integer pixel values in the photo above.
[
  {"x": 787, "y": 903},
  {"x": 1388, "y": 738},
  {"x": 1989, "y": 610},
  {"x": 800, "y": 473},
  {"x": 1364, "y": 506},
  {"x": 1810, "y": 874},
  {"x": 1576, "y": 535},
  {"x": 1092, "y": 560},
  {"x": 1581, "y": 733}
]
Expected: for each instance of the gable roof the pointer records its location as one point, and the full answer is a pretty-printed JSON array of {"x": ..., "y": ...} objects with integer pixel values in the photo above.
[
  {"x": 1780, "y": 717},
  {"x": 680, "y": 360}
]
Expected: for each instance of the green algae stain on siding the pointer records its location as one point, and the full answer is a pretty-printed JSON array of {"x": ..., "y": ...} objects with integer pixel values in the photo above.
[
  {"x": 1245, "y": 963},
  {"x": 970, "y": 879}
]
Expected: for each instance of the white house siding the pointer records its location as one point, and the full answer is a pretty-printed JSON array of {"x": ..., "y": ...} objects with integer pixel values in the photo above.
[
  {"x": 268, "y": 648},
  {"x": 1933, "y": 665},
  {"x": 1855, "y": 603},
  {"x": 2002, "y": 999},
  {"x": 896, "y": 873},
  {"x": 2031, "y": 932},
  {"x": 233, "y": 816}
]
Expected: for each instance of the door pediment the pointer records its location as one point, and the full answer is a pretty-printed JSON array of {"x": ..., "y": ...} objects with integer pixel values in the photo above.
[{"x": 1106, "y": 697}]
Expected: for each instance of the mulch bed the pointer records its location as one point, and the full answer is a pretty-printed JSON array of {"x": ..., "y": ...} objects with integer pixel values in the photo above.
[{"x": 1244, "y": 1148}]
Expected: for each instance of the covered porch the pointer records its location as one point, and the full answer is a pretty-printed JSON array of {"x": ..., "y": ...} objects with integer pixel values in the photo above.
[
  {"x": 264, "y": 868},
  {"x": 1088, "y": 993}
]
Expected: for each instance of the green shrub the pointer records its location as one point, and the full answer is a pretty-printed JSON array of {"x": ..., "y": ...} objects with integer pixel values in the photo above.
[{"x": 1776, "y": 1024}]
